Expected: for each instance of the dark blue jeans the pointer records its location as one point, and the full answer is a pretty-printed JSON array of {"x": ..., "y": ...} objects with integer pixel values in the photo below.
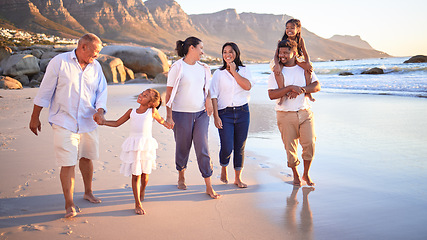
[
  {"x": 192, "y": 128},
  {"x": 235, "y": 126}
]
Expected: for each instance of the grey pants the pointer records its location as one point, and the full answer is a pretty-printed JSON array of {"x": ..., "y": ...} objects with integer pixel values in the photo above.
[{"x": 192, "y": 127}]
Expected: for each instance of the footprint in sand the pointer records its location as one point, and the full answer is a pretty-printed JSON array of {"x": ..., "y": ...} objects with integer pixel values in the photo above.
[
  {"x": 32, "y": 227},
  {"x": 262, "y": 165}
]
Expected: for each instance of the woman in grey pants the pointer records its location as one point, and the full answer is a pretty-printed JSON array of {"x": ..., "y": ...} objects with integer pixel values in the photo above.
[{"x": 188, "y": 110}]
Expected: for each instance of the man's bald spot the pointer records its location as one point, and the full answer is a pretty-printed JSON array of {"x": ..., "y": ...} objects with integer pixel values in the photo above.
[{"x": 89, "y": 38}]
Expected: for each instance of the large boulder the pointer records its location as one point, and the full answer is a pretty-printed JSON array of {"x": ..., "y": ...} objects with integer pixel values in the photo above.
[
  {"x": 49, "y": 55},
  {"x": 129, "y": 74},
  {"x": 113, "y": 68},
  {"x": 9, "y": 83},
  {"x": 345, "y": 73},
  {"x": 417, "y": 59},
  {"x": 5, "y": 52},
  {"x": 161, "y": 78},
  {"x": 374, "y": 71},
  {"x": 148, "y": 60},
  {"x": 43, "y": 64},
  {"x": 37, "y": 53},
  {"x": 20, "y": 64},
  {"x": 23, "y": 79}
]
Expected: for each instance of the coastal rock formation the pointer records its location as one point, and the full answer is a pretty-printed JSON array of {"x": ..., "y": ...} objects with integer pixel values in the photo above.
[
  {"x": 160, "y": 23},
  {"x": 20, "y": 64},
  {"x": 374, "y": 71},
  {"x": 345, "y": 73},
  {"x": 355, "y": 41},
  {"x": 9, "y": 83},
  {"x": 5, "y": 52},
  {"x": 23, "y": 79},
  {"x": 161, "y": 78},
  {"x": 417, "y": 59},
  {"x": 147, "y": 60},
  {"x": 113, "y": 68},
  {"x": 29, "y": 70}
]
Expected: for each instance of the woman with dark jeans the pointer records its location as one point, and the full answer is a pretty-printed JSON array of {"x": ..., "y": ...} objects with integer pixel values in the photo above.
[{"x": 230, "y": 96}]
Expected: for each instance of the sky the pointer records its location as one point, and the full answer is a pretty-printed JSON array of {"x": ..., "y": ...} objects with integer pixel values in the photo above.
[{"x": 397, "y": 27}]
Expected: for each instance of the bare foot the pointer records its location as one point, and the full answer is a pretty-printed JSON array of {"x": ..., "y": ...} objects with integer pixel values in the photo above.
[
  {"x": 240, "y": 184},
  {"x": 139, "y": 210},
  {"x": 182, "y": 185},
  {"x": 297, "y": 182},
  {"x": 70, "y": 212},
  {"x": 224, "y": 177},
  {"x": 213, "y": 194},
  {"x": 91, "y": 198},
  {"x": 307, "y": 179},
  {"x": 310, "y": 97},
  {"x": 307, "y": 190}
]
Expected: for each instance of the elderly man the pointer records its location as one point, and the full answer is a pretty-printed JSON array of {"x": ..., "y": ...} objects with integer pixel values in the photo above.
[
  {"x": 76, "y": 90},
  {"x": 294, "y": 117}
]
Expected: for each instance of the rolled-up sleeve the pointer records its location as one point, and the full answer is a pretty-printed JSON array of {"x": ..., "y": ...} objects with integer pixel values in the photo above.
[
  {"x": 48, "y": 85},
  {"x": 214, "y": 84},
  {"x": 172, "y": 76}
]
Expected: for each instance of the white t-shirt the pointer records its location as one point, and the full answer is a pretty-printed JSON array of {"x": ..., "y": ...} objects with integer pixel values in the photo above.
[
  {"x": 190, "y": 95},
  {"x": 293, "y": 76},
  {"x": 226, "y": 89}
]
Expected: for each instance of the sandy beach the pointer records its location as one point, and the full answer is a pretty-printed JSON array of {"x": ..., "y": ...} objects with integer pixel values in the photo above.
[{"x": 369, "y": 170}]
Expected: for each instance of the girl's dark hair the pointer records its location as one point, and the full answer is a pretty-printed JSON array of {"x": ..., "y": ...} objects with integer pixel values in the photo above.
[
  {"x": 297, "y": 24},
  {"x": 156, "y": 99},
  {"x": 237, "y": 60},
  {"x": 182, "y": 46}
]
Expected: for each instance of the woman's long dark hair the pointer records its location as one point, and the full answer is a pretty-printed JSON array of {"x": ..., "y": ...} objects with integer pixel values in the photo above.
[
  {"x": 237, "y": 60},
  {"x": 183, "y": 46},
  {"x": 297, "y": 24}
]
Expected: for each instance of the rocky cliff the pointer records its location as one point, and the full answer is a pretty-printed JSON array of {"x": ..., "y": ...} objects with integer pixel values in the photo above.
[
  {"x": 160, "y": 23},
  {"x": 355, "y": 41}
]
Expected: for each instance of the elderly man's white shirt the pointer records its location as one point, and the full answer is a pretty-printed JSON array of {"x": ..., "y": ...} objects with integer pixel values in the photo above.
[{"x": 73, "y": 95}]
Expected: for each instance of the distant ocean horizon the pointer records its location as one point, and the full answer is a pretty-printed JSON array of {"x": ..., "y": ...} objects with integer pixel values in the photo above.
[{"x": 402, "y": 79}]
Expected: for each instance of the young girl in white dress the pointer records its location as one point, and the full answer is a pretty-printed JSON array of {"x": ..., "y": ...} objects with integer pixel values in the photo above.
[{"x": 139, "y": 149}]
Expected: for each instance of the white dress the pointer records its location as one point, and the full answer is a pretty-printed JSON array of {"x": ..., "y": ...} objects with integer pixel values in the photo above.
[{"x": 139, "y": 149}]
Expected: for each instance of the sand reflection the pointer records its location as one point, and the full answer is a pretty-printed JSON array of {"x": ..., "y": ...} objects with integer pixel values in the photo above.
[{"x": 303, "y": 229}]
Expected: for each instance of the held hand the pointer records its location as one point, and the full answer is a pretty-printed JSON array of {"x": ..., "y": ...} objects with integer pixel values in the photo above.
[
  {"x": 297, "y": 89},
  {"x": 99, "y": 118},
  {"x": 170, "y": 122},
  {"x": 35, "y": 125},
  {"x": 218, "y": 122},
  {"x": 292, "y": 95},
  {"x": 167, "y": 125}
]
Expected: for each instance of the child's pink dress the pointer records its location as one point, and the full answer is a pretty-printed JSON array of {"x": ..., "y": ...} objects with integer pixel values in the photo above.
[{"x": 139, "y": 149}]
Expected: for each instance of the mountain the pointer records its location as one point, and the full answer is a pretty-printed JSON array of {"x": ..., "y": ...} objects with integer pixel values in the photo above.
[
  {"x": 160, "y": 23},
  {"x": 355, "y": 41}
]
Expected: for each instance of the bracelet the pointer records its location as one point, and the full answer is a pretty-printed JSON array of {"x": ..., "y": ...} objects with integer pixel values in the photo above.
[{"x": 162, "y": 121}]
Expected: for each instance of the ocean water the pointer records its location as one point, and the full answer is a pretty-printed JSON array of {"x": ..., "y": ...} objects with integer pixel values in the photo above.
[
  {"x": 371, "y": 153},
  {"x": 403, "y": 79}
]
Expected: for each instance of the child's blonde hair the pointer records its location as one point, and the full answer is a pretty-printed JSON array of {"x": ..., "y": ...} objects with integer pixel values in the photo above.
[{"x": 156, "y": 99}]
